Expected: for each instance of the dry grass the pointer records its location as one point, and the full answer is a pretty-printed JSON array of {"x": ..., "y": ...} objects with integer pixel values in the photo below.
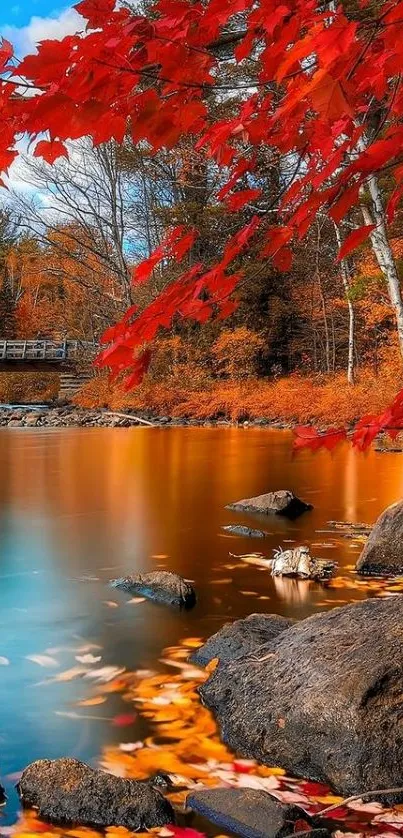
[
  {"x": 295, "y": 399},
  {"x": 28, "y": 387}
]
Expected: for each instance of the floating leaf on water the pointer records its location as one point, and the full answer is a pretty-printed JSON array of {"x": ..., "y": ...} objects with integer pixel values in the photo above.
[
  {"x": 88, "y": 658},
  {"x": 129, "y": 747},
  {"x": 110, "y": 603},
  {"x": 136, "y": 600},
  {"x": 106, "y": 673},
  {"x": 92, "y": 702},
  {"x": 124, "y": 719},
  {"x": 4, "y": 661},
  {"x": 43, "y": 660},
  {"x": 221, "y": 581},
  {"x": 70, "y": 674},
  {"x": 192, "y": 642}
]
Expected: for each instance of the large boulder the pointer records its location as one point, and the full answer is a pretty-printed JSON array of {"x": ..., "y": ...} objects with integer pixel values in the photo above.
[
  {"x": 160, "y": 586},
  {"x": 323, "y": 699},
  {"x": 68, "y": 791},
  {"x": 240, "y": 638},
  {"x": 251, "y": 813},
  {"x": 282, "y": 502},
  {"x": 383, "y": 552}
]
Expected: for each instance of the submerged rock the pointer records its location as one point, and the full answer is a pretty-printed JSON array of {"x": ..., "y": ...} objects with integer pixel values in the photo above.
[
  {"x": 68, "y": 791},
  {"x": 282, "y": 502},
  {"x": 383, "y": 552},
  {"x": 240, "y": 638},
  {"x": 298, "y": 562},
  {"x": 160, "y": 586},
  {"x": 238, "y": 529},
  {"x": 251, "y": 813},
  {"x": 322, "y": 699}
]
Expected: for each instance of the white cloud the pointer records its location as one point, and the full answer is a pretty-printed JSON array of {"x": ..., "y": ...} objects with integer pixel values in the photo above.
[{"x": 55, "y": 27}]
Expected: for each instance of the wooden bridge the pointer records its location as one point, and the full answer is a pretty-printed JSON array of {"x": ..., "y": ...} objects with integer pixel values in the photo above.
[
  {"x": 53, "y": 352},
  {"x": 26, "y": 355}
]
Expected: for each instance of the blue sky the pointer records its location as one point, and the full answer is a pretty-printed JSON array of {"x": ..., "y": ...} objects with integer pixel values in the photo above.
[
  {"x": 25, "y": 22},
  {"x": 19, "y": 12}
]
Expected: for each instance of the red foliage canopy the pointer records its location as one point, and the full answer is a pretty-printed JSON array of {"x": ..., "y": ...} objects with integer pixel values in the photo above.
[{"x": 315, "y": 73}]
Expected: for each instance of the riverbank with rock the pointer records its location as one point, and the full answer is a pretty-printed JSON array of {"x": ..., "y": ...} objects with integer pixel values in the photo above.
[{"x": 32, "y": 416}]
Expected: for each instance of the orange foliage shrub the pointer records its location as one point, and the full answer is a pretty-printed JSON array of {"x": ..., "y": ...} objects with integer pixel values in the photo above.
[
  {"x": 28, "y": 387},
  {"x": 295, "y": 399},
  {"x": 237, "y": 353}
]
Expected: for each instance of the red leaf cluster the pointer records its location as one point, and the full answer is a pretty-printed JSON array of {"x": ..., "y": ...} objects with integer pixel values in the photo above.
[{"x": 149, "y": 77}]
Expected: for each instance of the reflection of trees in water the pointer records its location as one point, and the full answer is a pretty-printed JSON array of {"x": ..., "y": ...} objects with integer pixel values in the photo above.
[{"x": 294, "y": 591}]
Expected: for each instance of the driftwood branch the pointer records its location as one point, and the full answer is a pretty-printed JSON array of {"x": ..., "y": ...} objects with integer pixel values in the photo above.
[{"x": 133, "y": 418}]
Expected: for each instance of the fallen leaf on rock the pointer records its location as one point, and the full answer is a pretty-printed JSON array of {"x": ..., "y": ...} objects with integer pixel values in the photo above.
[
  {"x": 371, "y": 806},
  {"x": 393, "y": 816}
]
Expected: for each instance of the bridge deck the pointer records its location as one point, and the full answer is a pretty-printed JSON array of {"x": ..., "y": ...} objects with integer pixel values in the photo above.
[{"x": 38, "y": 350}]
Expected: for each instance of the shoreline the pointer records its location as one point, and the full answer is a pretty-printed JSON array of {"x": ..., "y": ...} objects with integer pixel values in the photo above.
[{"x": 70, "y": 416}]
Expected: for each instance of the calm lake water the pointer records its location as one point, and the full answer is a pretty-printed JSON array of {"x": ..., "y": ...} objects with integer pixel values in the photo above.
[{"x": 79, "y": 507}]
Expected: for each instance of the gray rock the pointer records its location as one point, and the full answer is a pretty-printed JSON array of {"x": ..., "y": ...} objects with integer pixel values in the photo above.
[
  {"x": 282, "y": 502},
  {"x": 322, "y": 699},
  {"x": 160, "y": 586},
  {"x": 31, "y": 420},
  {"x": 250, "y": 813},
  {"x": 238, "y": 529},
  {"x": 68, "y": 791},
  {"x": 241, "y": 637},
  {"x": 383, "y": 552}
]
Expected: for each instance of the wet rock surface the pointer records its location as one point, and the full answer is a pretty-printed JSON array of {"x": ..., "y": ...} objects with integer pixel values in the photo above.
[
  {"x": 68, "y": 791},
  {"x": 383, "y": 552},
  {"x": 322, "y": 699},
  {"x": 299, "y": 562},
  {"x": 246, "y": 532},
  {"x": 282, "y": 502},
  {"x": 235, "y": 640},
  {"x": 250, "y": 813},
  {"x": 160, "y": 586}
]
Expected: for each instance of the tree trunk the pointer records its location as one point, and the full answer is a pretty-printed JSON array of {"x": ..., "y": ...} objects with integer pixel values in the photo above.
[
  {"x": 345, "y": 275},
  {"x": 383, "y": 252}
]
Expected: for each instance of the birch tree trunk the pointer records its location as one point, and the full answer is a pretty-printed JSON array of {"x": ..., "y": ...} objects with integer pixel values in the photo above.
[
  {"x": 381, "y": 247},
  {"x": 345, "y": 276}
]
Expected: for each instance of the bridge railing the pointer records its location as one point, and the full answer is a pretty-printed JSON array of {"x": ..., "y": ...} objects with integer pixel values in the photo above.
[{"x": 38, "y": 350}]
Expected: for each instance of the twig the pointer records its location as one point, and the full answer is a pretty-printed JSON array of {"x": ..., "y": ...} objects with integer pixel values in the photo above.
[
  {"x": 133, "y": 418},
  {"x": 340, "y": 805},
  {"x": 361, "y": 796}
]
